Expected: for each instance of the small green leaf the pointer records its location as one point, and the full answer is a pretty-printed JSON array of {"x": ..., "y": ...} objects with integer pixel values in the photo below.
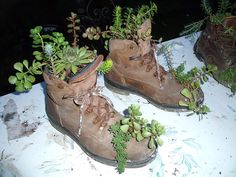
[
  {"x": 125, "y": 120},
  {"x": 124, "y": 128},
  {"x": 205, "y": 109},
  {"x": 38, "y": 57},
  {"x": 133, "y": 134},
  {"x": 185, "y": 92},
  {"x": 159, "y": 141},
  {"x": 36, "y": 53},
  {"x": 61, "y": 40},
  {"x": 84, "y": 61},
  {"x": 20, "y": 76},
  {"x": 146, "y": 134},
  {"x": 74, "y": 69},
  {"x": 27, "y": 85},
  {"x": 30, "y": 78},
  {"x": 151, "y": 143},
  {"x": 139, "y": 137},
  {"x": 205, "y": 78},
  {"x": 20, "y": 88},
  {"x": 137, "y": 126},
  {"x": 26, "y": 63},
  {"x": 192, "y": 106},
  {"x": 18, "y": 66},
  {"x": 12, "y": 79},
  {"x": 153, "y": 130},
  {"x": 83, "y": 51},
  {"x": 38, "y": 29},
  {"x": 37, "y": 72},
  {"x": 60, "y": 67},
  {"x": 197, "y": 84},
  {"x": 183, "y": 103}
]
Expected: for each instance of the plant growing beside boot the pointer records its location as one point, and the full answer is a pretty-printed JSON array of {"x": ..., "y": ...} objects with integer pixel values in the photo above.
[
  {"x": 135, "y": 64},
  {"x": 217, "y": 42},
  {"x": 75, "y": 105}
]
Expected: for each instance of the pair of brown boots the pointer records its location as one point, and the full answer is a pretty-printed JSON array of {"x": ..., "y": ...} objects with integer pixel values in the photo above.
[{"x": 78, "y": 108}]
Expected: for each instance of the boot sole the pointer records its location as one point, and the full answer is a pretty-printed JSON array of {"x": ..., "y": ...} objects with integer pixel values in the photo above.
[
  {"x": 129, "y": 164},
  {"x": 126, "y": 90}
]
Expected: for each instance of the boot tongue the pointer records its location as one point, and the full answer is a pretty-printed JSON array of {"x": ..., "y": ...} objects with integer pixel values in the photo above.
[{"x": 145, "y": 30}]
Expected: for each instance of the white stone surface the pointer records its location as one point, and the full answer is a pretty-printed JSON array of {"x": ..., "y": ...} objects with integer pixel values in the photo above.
[{"x": 191, "y": 147}]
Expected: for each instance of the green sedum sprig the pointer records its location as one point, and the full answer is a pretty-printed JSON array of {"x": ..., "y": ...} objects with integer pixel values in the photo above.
[
  {"x": 134, "y": 126},
  {"x": 106, "y": 66},
  {"x": 119, "y": 143},
  {"x": 126, "y": 23},
  {"x": 192, "y": 81}
]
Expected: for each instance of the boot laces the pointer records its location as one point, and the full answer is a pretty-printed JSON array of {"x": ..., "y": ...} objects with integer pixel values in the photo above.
[
  {"x": 92, "y": 100},
  {"x": 151, "y": 62}
]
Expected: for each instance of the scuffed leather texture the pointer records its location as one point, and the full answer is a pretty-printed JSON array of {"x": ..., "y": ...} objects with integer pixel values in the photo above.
[
  {"x": 215, "y": 46},
  {"x": 135, "y": 69},
  {"x": 67, "y": 104}
]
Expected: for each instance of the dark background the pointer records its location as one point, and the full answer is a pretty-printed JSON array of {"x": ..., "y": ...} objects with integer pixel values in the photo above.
[{"x": 17, "y": 17}]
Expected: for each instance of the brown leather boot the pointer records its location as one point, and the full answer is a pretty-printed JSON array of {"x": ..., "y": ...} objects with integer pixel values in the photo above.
[
  {"x": 136, "y": 69},
  {"x": 215, "y": 46},
  {"x": 78, "y": 109}
]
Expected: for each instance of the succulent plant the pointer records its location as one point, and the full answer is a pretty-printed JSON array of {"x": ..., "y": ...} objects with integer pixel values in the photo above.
[
  {"x": 134, "y": 126},
  {"x": 71, "y": 58},
  {"x": 192, "y": 81},
  {"x": 53, "y": 52}
]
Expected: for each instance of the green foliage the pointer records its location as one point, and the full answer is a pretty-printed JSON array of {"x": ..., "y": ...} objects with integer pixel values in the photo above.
[
  {"x": 206, "y": 7},
  {"x": 53, "y": 52},
  {"x": 71, "y": 58},
  {"x": 229, "y": 76},
  {"x": 192, "y": 27},
  {"x": 192, "y": 81},
  {"x": 73, "y": 27},
  {"x": 225, "y": 9},
  {"x": 133, "y": 125},
  {"x": 105, "y": 67},
  {"x": 126, "y": 23},
  {"x": 119, "y": 143}
]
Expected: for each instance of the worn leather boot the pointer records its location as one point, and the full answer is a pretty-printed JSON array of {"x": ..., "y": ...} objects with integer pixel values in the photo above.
[
  {"x": 77, "y": 108},
  {"x": 136, "y": 69},
  {"x": 216, "y": 46}
]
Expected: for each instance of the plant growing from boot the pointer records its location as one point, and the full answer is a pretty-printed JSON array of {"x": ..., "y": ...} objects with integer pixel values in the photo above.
[
  {"x": 134, "y": 126},
  {"x": 126, "y": 23},
  {"x": 225, "y": 9},
  {"x": 192, "y": 81},
  {"x": 229, "y": 76},
  {"x": 54, "y": 53}
]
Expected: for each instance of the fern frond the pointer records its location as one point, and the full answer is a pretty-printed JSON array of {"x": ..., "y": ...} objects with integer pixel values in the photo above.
[
  {"x": 145, "y": 12},
  {"x": 223, "y": 6},
  {"x": 193, "y": 27},
  {"x": 206, "y": 7}
]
